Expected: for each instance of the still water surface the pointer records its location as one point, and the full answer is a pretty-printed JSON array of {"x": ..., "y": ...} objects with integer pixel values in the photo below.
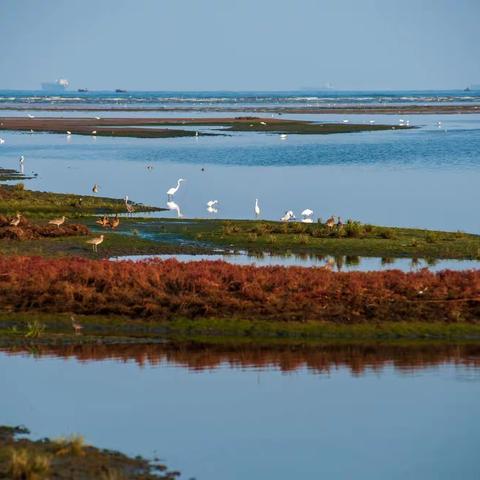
[
  {"x": 427, "y": 177},
  {"x": 261, "y": 414}
]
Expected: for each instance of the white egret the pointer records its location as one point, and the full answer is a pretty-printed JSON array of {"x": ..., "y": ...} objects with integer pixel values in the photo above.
[
  {"x": 212, "y": 203},
  {"x": 97, "y": 118},
  {"x": 288, "y": 216},
  {"x": 283, "y": 136},
  {"x": 263, "y": 123},
  {"x": 30, "y": 115},
  {"x": 130, "y": 208},
  {"x": 307, "y": 213},
  {"x": 2, "y": 141},
  {"x": 69, "y": 132},
  {"x": 94, "y": 132},
  {"x": 212, "y": 210},
  {"x": 257, "y": 208},
  {"x": 172, "y": 191}
]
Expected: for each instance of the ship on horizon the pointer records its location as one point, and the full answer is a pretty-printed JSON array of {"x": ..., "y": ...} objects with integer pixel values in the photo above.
[{"x": 59, "y": 85}]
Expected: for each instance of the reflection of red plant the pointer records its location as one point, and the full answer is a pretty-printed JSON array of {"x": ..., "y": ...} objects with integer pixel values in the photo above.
[
  {"x": 169, "y": 289},
  {"x": 316, "y": 357}
]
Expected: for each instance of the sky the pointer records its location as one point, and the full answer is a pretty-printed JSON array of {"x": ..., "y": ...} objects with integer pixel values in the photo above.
[{"x": 240, "y": 44}]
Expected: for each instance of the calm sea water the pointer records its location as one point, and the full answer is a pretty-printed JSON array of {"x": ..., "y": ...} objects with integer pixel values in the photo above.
[
  {"x": 260, "y": 415},
  {"x": 228, "y": 98}
]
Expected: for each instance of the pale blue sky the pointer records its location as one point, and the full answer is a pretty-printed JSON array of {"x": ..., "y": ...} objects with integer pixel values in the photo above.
[{"x": 243, "y": 44}]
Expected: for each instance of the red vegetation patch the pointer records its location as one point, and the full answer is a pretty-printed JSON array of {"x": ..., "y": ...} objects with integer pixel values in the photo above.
[
  {"x": 29, "y": 231},
  {"x": 169, "y": 289}
]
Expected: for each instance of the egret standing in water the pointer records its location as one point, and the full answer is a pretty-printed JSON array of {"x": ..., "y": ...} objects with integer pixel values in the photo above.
[
  {"x": 172, "y": 191},
  {"x": 212, "y": 206},
  {"x": 128, "y": 206},
  {"x": 21, "y": 162},
  {"x": 307, "y": 216},
  {"x": 257, "y": 208}
]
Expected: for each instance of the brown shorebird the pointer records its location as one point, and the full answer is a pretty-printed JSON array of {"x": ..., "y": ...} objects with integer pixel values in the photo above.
[
  {"x": 330, "y": 223},
  {"x": 14, "y": 222},
  {"x": 114, "y": 222},
  {"x": 95, "y": 242},
  {"x": 58, "y": 221},
  {"x": 103, "y": 221},
  {"x": 76, "y": 325}
]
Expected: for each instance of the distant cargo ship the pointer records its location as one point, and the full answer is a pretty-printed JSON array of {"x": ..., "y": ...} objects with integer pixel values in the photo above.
[{"x": 59, "y": 85}]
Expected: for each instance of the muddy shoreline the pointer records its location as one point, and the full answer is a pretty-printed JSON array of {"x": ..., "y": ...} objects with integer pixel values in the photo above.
[{"x": 162, "y": 127}]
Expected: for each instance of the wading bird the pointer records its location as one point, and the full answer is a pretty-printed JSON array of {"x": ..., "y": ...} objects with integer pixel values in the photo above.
[
  {"x": 307, "y": 213},
  {"x": 14, "y": 222},
  {"x": 76, "y": 325},
  {"x": 69, "y": 132},
  {"x": 95, "y": 188},
  {"x": 114, "y": 222},
  {"x": 283, "y": 136},
  {"x": 212, "y": 203},
  {"x": 263, "y": 123},
  {"x": 30, "y": 115},
  {"x": 128, "y": 206},
  {"x": 94, "y": 132},
  {"x": 257, "y": 208},
  {"x": 172, "y": 191},
  {"x": 102, "y": 221},
  {"x": 288, "y": 216},
  {"x": 58, "y": 221},
  {"x": 95, "y": 242},
  {"x": 2, "y": 141},
  {"x": 330, "y": 223}
]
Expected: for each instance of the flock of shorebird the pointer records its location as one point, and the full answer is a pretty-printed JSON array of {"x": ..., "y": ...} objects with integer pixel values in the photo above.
[{"x": 212, "y": 207}]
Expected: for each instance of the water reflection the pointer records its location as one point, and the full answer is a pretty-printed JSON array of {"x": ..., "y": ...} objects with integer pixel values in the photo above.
[
  {"x": 171, "y": 205},
  {"x": 339, "y": 263},
  {"x": 287, "y": 357}
]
